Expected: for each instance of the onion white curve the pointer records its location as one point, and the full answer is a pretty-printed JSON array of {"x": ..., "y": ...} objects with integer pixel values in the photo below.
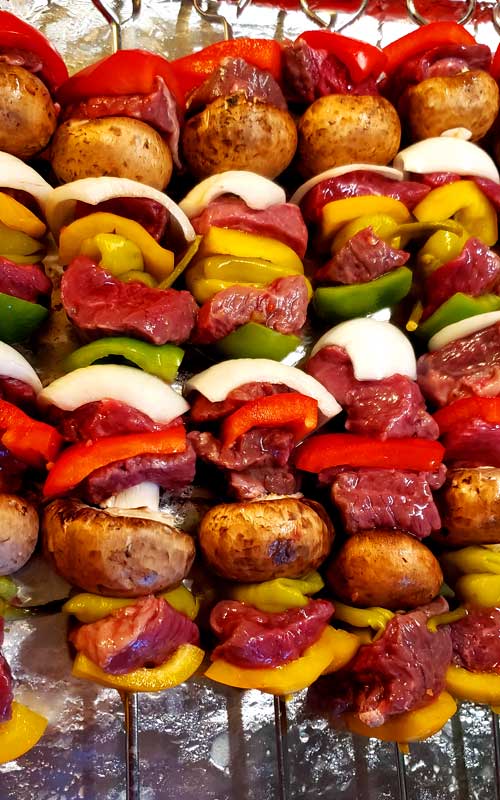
[
  {"x": 256, "y": 191},
  {"x": 465, "y": 327},
  {"x": 447, "y": 154},
  {"x": 14, "y": 365}
]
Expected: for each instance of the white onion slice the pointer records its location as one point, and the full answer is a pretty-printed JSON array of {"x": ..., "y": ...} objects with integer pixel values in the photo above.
[
  {"x": 15, "y": 174},
  {"x": 62, "y": 201},
  {"x": 256, "y": 191},
  {"x": 216, "y": 382},
  {"x": 144, "y": 495},
  {"x": 447, "y": 154},
  {"x": 129, "y": 385},
  {"x": 14, "y": 365},
  {"x": 377, "y": 349},
  {"x": 465, "y": 327},
  {"x": 335, "y": 172}
]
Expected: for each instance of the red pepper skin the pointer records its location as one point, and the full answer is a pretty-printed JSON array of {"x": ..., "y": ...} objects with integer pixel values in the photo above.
[
  {"x": 20, "y": 36},
  {"x": 466, "y": 410},
  {"x": 345, "y": 449},
  {"x": 191, "y": 71},
  {"x": 361, "y": 59},
  {"x": 27, "y": 439},
  {"x": 79, "y": 460},
  {"x": 495, "y": 65},
  {"x": 434, "y": 34},
  {"x": 291, "y": 410},
  {"x": 124, "y": 72}
]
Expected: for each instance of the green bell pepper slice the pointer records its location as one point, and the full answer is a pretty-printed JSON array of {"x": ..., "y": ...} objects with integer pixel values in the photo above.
[
  {"x": 458, "y": 307},
  {"x": 19, "y": 318},
  {"x": 256, "y": 341},
  {"x": 346, "y": 302},
  {"x": 162, "y": 361}
]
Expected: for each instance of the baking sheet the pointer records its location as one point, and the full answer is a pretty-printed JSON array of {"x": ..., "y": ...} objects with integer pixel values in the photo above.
[{"x": 201, "y": 740}]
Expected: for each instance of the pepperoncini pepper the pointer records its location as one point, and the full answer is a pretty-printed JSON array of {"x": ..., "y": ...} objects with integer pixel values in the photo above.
[
  {"x": 88, "y": 607},
  {"x": 117, "y": 254},
  {"x": 285, "y": 679},
  {"x": 177, "y": 669},
  {"x": 440, "y": 248},
  {"x": 382, "y": 225},
  {"x": 459, "y": 306},
  {"x": 433, "y": 623},
  {"x": 19, "y": 734},
  {"x": 480, "y": 590},
  {"x": 16, "y": 243},
  {"x": 244, "y": 270},
  {"x": 466, "y": 203},
  {"x": 279, "y": 594},
  {"x": 163, "y": 360},
  {"x": 158, "y": 261},
  {"x": 374, "y": 617},
  {"x": 411, "y": 726},
  {"x": 345, "y": 302},
  {"x": 182, "y": 265},
  {"x": 472, "y": 559}
]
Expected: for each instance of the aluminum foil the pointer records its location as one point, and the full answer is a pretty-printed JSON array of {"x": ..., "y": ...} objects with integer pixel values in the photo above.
[{"x": 200, "y": 740}]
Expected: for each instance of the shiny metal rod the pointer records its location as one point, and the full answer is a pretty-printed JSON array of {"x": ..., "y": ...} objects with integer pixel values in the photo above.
[
  {"x": 401, "y": 768},
  {"x": 131, "y": 708},
  {"x": 281, "y": 731},
  {"x": 496, "y": 749}
]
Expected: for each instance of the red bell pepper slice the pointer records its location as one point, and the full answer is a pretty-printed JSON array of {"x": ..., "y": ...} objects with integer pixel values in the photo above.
[
  {"x": 434, "y": 34},
  {"x": 466, "y": 409},
  {"x": 16, "y": 34},
  {"x": 361, "y": 59},
  {"x": 79, "y": 460},
  {"x": 495, "y": 65},
  {"x": 124, "y": 72},
  {"x": 193, "y": 70},
  {"x": 346, "y": 449},
  {"x": 27, "y": 439},
  {"x": 291, "y": 410}
]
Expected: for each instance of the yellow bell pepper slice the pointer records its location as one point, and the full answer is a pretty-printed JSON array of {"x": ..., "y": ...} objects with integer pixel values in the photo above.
[
  {"x": 340, "y": 212},
  {"x": 226, "y": 242},
  {"x": 20, "y": 733},
  {"x": 382, "y": 225},
  {"x": 347, "y": 645},
  {"x": 177, "y": 669},
  {"x": 374, "y": 617},
  {"x": 478, "y": 687},
  {"x": 157, "y": 260},
  {"x": 412, "y": 726},
  {"x": 244, "y": 270},
  {"x": 480, "y": 590},
  {"x": 88, "y": 607},
  {"x": 283, "y": 680},
  {"x": 279, "y": 594},
  {"x": 466, "y": 203},
  {"x": 19, "y": 218}
]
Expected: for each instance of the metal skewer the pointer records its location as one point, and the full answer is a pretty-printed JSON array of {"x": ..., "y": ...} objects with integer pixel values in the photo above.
[
  {"x": 212, "y": 16},
  {"x": 130, "y": 702},
  {"x": 281, "y": 732}
]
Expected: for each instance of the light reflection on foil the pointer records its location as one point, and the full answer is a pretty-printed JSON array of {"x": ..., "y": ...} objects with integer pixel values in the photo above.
[{"x": 202, "y": 740}]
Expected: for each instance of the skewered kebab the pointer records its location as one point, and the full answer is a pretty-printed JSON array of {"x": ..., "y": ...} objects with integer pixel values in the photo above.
[
  {"x": 31, "y": 71},
  {"x": 346, "y": 120},
  {"x": 248, "y": 271},
  {"x": 122, "y": 117}
]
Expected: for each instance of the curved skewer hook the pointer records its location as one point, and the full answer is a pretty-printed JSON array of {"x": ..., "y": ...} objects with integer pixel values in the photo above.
[
  {"x": 420, "y": 20},
  {"x": 357, "y": 14},
  {"x": 212, "y": 16},
  {"x": 315, "y": 17},
  {"x": 496, "y": 16},
  {"x": 114, "y": 23}
]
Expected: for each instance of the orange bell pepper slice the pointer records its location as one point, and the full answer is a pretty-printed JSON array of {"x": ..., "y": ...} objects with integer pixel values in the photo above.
[
  {"x": 20, "y": 733},
  {"x": 27, "y": 439},
  {"x": 177, "y": 669},
  {"x": 79, "y": 460},
  {"x": 291, "y": 410},
  {"x": 283, "y": 680},
  {"x": 477, "y": 687}
]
